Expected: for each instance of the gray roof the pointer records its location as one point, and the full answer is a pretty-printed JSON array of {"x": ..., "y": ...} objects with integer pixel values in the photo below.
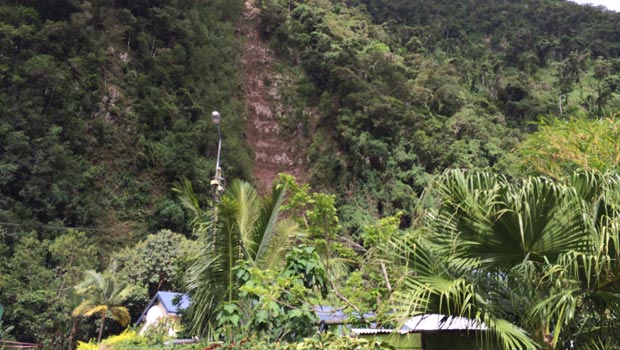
[{"x": 332, "y": 315}]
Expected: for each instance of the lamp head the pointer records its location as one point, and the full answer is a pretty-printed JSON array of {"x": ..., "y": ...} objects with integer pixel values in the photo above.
[{"x": 216, "y": 117}]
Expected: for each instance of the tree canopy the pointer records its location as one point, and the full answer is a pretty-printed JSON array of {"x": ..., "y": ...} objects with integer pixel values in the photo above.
[{"x": 104, "y": 119}]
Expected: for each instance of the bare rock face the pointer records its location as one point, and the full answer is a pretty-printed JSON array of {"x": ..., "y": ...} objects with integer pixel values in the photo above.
[{"x": 273, "y": 151}]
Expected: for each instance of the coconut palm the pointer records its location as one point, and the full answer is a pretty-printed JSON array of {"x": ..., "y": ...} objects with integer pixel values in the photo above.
[
  {"x": 104, "y": 294},
  {"x": 529, "y": 259},
  {"x": 242, "y": 228}
]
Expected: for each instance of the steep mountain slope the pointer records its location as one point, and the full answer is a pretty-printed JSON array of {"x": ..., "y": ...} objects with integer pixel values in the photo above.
[
  {"x": 275, "y": 150},
  {"x": 104, "y": 105},
  {"x": 407, "y": 89}
]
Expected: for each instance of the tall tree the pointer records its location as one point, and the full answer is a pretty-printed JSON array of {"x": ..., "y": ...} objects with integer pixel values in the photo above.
[
  {"x": 104, "y": 294},
  {"x": 242, "y": 228}
]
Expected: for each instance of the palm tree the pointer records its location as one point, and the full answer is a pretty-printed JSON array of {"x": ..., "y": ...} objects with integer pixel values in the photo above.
[
  {"x": 247, "y": 230},
  {"x": 529, "y": 259},
  {"x": 104, "y": 294}
]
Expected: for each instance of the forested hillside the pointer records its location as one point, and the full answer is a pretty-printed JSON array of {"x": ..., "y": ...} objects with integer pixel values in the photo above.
[
  {"x": 409, "y": 88},
  {"x": 105, "y": 120},
  {"x": 104, "y": 105}
]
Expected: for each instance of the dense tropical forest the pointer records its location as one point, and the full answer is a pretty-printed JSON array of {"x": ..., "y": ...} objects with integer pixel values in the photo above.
[{"x": 455, "y": 157}]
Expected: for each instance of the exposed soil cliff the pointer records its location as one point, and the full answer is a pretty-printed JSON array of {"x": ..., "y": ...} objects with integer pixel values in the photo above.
[{"x": 275, "y": 151}]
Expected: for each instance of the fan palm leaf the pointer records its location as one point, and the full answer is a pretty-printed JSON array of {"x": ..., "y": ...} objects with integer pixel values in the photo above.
[
  {"x": 503, "y": 223},
  {"x": 530, "y": 259}
]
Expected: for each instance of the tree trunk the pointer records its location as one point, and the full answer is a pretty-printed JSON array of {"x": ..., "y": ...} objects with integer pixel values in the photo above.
[
  {"x": 101, "y": 328},
  {"x": 72, "y": 334}
]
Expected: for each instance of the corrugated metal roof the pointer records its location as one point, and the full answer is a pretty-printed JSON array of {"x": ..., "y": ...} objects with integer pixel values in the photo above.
[
  {"x": 428, "y": 323},
  {"x": 364, "y": 331},
  {"x": 435, "y": 322}
]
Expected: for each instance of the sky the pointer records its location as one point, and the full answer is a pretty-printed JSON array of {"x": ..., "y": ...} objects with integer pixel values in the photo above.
[{"x": 610, "y": 4}]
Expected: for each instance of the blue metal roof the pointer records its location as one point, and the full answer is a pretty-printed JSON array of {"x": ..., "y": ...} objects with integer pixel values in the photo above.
[{"x": 173, "y": 302}]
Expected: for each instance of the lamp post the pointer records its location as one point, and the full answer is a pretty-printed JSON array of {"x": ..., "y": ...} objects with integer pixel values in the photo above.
[{"x": 218, "y": 180}]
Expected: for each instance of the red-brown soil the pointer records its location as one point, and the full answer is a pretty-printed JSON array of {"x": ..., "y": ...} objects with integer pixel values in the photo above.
[{"x": 274, "y": 152}]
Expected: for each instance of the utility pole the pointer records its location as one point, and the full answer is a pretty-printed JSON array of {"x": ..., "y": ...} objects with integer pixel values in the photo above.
[{"x": 218, "y": 180}]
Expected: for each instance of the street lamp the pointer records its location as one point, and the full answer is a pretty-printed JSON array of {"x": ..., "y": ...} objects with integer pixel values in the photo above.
[{"x": 218, "y": 180}]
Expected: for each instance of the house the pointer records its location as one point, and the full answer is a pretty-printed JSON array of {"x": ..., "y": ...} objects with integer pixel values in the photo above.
[
  {"x": 168, "y": 306},
  {"x": 164, "y": 306},
  {"x": 432, "y": 332}
]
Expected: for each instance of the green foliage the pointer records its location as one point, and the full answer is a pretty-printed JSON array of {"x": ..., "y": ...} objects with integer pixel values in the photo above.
[
  {"x": 331, "y": 341},
  {"x": 323, "y": 341},
  {"x": 4, "y": 330},
  {"x": 103, "y": 104},
  {"x": 304, "y": 263},
  {"x": 316, "y": 214},
  {"x": 407, "y": 89},
  {"x": 36, "y": 286},
  {"x": 275, "y": 305},
  {"x": 156, "y": 262},
  {"x": 371, "y": 284},
  {"x": 130, "y": 339},
  {"x": 531, "y": 259},
  {"x": 127, "y": 339},
  {"x": 158, "y": 333},
  {"x": 328, "y": 341},
  {"x": 562, "y": 146},
  {"x": 245, "y": 228},
  {"x": 103, "y": 295}
]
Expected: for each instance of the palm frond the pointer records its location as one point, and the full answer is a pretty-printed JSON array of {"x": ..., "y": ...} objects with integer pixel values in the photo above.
[
  {"x": 92, "y": 280},
  {"x": 247, "y": 215},
  {"x": 242, "y": 229},
  {"x": 507, "y": 334},
  {"x": 457, "y": 297},
  {"x": 189, "y": 200},
  {"x": 266, "y": 225},
  {"x": 206, "y": 281},
  {"x": 587, "y": 184},
  {"x": 538, "y": 256},
  {"x": 103, "y": 293},
  {"x": 502, "y": 223},
  {"x": 121, "y": 315},
  {"x": 82, "y": 308},
  {"x": 274, "y": 254},
  {"x": 96, "y": 309}
]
